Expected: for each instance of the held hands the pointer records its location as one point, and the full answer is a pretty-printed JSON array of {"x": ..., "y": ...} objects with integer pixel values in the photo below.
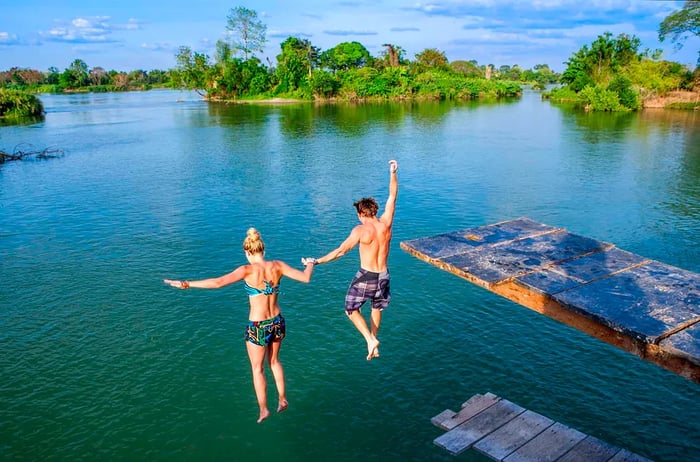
[
  {"x": 309, "y": 261},
  {"x": 393, "y": 166}
]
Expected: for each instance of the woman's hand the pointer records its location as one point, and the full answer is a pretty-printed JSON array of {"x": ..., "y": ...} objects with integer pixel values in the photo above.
[{"x": 177, "y": 283}]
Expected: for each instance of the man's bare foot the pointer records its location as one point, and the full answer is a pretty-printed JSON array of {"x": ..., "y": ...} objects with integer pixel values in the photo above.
[
  {"x": 372, "y": 349},
  {"x": 282, "y": 405},
  {"x": 264, "y": 414}
]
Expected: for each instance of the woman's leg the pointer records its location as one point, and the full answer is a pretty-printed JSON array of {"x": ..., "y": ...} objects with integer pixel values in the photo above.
[
  {"x": 278, "y": 373},
  {"x": 256, "y": 354}
]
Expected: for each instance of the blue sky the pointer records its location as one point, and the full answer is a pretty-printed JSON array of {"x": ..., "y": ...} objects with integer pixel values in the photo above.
[{"x": 129, "y": 34}]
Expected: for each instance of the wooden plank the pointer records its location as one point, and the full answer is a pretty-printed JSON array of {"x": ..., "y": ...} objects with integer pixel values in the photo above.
[
  {"x": 581, "y": 270},
  {"x": 590, "y": 449},
  {"x": 643, "y": 303},
  {"x": 685, "y": 343},
  {"x": 523, "y": 256},
  {"x": 626, "y": 456},
  {"x": 487, "y": 396},
  {"x": 456, "y": 242},
  {"x": 439, "y": 419},
  {"x": 463, "y": 436},
  {"x": 449, "y": 419},
  {"x": 472, "y": 407},
  {"x": 547, "y": 446},
  {"x": 511, "y": 436}
]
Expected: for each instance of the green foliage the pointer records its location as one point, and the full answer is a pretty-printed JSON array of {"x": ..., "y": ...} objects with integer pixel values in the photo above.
[
  {"x": 622, "y": 87},
  {"x": 612, "y": 75},
  {"x": 368, "y": 82},
  {"x": 446, "y": 85},
  {"x": 565, "y": 93},
  {"x": 192, "y": 69},
  {"x": 345, "y": 56},
  {"x": 295, "y": 64},
  {"x": 680, "y": 23},
  {"x": 597, "y": 98},
  {"x": 238, "y": 78},
  {"x": 467, "y": 68},
  {"x": 602, "y": 61},
  {"x": 16, "y": 104},
  {"x": 324, "y": 84},
  {"x": 659, "y": 77},
  {"x": 431, "y": 58}
]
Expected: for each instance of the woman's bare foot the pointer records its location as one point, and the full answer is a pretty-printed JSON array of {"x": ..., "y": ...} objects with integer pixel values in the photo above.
[
  {"x": 282, "y": 405},
  {"x": 372, "y": 349},
  {"x": 264, "y": 414}
]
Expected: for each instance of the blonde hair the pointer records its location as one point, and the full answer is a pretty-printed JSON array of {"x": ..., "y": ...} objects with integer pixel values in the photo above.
[{"x": 253, "y": 243}]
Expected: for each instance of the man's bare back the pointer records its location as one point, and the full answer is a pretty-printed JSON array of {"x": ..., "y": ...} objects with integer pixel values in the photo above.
[{"x": 375, "y": 237}]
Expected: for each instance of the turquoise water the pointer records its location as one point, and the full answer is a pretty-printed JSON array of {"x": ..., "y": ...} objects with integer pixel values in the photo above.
[{"x": 102, "y": 361}]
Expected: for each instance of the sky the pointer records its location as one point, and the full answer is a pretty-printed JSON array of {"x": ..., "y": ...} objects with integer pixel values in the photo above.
[{"x": 128, "y": 35}]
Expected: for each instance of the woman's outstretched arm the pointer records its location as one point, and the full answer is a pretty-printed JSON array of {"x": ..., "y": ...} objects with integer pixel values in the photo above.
[{"x": 211, "y": 283}]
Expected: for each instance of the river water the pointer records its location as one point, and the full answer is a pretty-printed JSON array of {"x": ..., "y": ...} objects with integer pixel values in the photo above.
[{"x": 102, "y": 361}]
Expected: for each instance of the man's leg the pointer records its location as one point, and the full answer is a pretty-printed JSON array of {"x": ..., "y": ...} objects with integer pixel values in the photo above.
[
  {"x": 376, "y": 319},
  {"x": 372, "y": 343}
]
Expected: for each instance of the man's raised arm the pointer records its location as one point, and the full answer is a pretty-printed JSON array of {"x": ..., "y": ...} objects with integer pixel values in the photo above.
[{"x": 388, "y": 215}]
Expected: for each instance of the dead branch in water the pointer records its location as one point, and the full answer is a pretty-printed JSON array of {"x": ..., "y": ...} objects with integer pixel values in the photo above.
[{"x": 27, "y": 151}]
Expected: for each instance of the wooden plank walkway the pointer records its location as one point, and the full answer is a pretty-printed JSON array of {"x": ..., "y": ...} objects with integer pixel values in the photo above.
[
  {"x": 507, "y": 432},
  {"x": 640, "y": 305}
]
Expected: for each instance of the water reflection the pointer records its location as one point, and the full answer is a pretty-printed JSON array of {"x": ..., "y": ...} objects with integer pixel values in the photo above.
[{"x": 307, "y": 119}]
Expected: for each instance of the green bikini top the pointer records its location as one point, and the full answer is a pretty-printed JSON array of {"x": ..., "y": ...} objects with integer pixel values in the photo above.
[{"x": 268, "y": 290}]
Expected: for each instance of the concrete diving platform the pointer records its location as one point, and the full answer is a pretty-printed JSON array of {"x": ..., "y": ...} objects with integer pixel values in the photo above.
[
  {"x": 507, "y": 432},
  {"x": 640, "y": 305}
]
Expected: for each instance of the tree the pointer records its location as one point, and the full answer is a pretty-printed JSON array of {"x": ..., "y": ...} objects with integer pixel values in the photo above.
[
  {"x": 345, "y": 56},
  {"x": 52, "y": 76},
  {"x": 248, "y": 30},
  {"x": 680, "y": 23},
  {"x": 393, "y": 55},
  {"x": 296, "y": 63},
  {"x": 98, "y": 76},
  {"x": 602, "y": 61},
  {"x": 431, "y": 57},
  {"x": 193, "y": 69},
  {"x": 76, "y": 75},
  {"x": 467, "y": 68}
]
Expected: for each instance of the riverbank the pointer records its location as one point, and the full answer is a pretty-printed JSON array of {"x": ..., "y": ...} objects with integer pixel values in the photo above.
[{"x": 680, "y": 99}]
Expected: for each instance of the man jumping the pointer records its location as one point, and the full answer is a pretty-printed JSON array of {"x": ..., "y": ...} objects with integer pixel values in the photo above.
[{"x": 371, "y": 282}]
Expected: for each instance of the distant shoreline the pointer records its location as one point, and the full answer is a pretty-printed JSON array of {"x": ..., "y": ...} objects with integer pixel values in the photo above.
[{"x": 260, "y": 101}]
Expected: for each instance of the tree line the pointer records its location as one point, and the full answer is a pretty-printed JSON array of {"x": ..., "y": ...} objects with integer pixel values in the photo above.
[
  {"x": 80, "y": 77},
  {"x": 609, "y": 74}
]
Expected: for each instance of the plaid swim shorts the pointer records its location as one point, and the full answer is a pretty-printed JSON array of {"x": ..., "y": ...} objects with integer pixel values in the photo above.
[{"x": 368, "y": 286}]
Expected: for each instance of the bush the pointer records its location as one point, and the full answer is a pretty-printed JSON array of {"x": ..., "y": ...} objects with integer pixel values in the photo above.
[
  {"x": 324, "y": 84},
  {"x": 16, "y": 104},
  {"x": 596, "y": 98},
  {"x": 623, "y": 87}
]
